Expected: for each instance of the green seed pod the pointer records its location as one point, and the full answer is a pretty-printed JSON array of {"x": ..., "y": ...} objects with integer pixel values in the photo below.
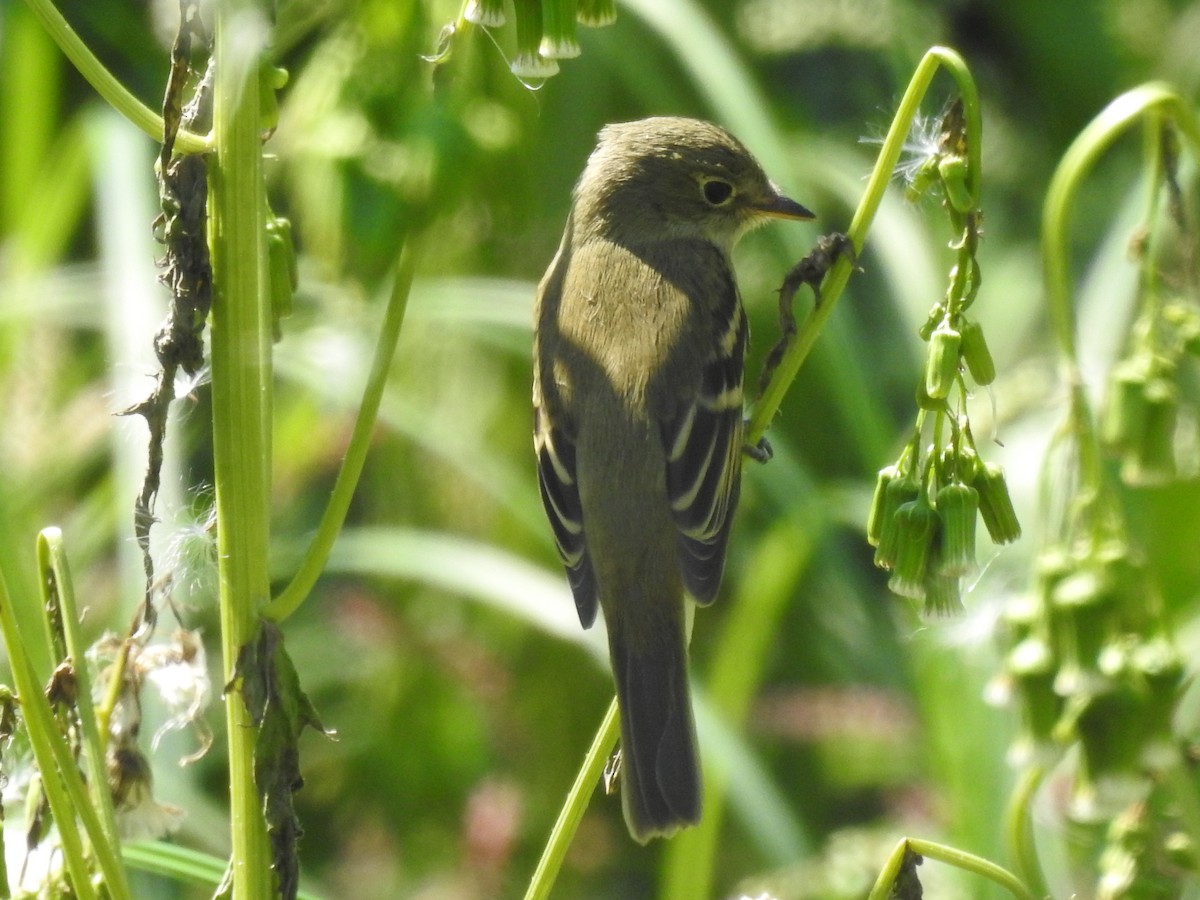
[
  {"x": 941, "y": 366},
  {"x": 898, "y": 492},
  {"x": 1111, "y": 735},
  {"x": 953, "y": 170},
  {"x": 916, "y": 528},
  {"x": 1125, "y": 409},
  {"x": 1029, "y": 668},
  {"x": 528, "y": 62},
  {"x": 596, "y": 13},
  {"x": 879, "y": 512},
  {"x": 488, "y": 13},
  {"x": 558, "y": 37},
  {"x": 976, "y": 354},
  {"x": 958, "y": 506},
  {"x": 995, "y": 505}
]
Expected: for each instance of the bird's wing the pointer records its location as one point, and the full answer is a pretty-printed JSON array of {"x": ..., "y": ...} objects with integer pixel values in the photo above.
[
  {"x": 704, "y": 457},
  {"x": 560, "y": 495}
]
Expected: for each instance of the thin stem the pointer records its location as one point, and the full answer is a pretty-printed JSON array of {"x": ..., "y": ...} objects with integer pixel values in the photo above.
[
  {"x": 889, "y": 154},
  {"x": 1076, "y": 164},
  {"x": 52, "y": 562},
  {"x": 960, "y": 859},
  {"x": 733, "y": 681},
  {"x": 317, "y": 556},
  {"x": 241, "y": 400},
  {"x": 574, "y": 807},
  {"x": 106, "y": 85},
  {"x": 1019, "y": 830},
  {"x": 65, "y": 793}
]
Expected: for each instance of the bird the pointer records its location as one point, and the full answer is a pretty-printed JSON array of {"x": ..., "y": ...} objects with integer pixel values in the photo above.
[{"x": 639, "y": 348}]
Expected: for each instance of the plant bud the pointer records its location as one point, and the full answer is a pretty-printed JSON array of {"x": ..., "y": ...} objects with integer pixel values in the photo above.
[
  {"x": 596, "y": 13},
  {"x": 935, "y": 317},
  {"x": 953, "y": 170},
  {"x": 995, "y": 505},
  {"x": 943, "y": 594},
  {"x": 528, "y": 62},
  {"x": 916, "y": 527},
  {"x": 1030, "y": 667},
  {"x": 941, "y": 366},
  {"x": 558, "y": 32},
  {"x": 1124, "y": 419},
  {"x": 920, "y": 180},
  {"x": 976, "y": 354},
  {"x": 879, "y": 511},
  {"x": 1152, "y": 460},
  {"x": 898, "y": 492},
  {"x": 488, "y": 13},
  {"x": 957, "y": 505}
]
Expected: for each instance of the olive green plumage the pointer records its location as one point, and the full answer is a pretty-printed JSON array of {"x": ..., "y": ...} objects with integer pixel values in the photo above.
[{"x": 639, "y": 347}]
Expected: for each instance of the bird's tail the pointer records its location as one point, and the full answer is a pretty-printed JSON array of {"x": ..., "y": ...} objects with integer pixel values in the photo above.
[{"x": 660, "y": 767}]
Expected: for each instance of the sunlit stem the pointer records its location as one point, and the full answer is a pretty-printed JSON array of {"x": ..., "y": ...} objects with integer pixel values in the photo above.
[{"x": 889, "y": 155}]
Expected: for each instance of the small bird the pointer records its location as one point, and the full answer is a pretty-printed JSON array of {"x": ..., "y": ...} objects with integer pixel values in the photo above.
[{"x": 639, "y": 344}]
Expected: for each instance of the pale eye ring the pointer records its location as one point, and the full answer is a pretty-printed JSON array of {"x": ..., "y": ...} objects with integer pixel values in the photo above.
[{"x": 716, "y": 191}]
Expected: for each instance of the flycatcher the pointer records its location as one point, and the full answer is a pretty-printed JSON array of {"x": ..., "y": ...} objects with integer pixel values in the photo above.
[{"x": 639, "y": 345}]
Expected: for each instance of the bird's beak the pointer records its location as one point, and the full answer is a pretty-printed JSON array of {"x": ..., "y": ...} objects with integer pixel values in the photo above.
[{"x": 781, "y": 207}]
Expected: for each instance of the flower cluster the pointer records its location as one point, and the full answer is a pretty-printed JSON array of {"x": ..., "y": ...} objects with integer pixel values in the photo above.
[
  {"x": 1141, "y": 411},
  {"x": 546, "y": 29},
  {"x": 924, "y": 511}
]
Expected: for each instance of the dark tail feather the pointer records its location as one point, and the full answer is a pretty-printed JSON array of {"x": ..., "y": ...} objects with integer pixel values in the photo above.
[{"x": 660, "y": 769}]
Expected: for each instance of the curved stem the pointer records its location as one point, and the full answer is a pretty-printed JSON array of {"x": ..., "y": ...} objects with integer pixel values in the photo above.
[
  {"x": 106, "y": 85},
  {"x": 835, "y": 281},
  {"x": 1019, "y": 831},
  {"x": 574, "y": 807},
  {"x": 1076, "y": 163},
  {"x": 960, "y": 859},
  {"x": 310, "y": 568}
]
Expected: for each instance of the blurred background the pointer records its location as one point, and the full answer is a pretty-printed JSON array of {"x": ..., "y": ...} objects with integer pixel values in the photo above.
[{"x": 442, "y": 644}]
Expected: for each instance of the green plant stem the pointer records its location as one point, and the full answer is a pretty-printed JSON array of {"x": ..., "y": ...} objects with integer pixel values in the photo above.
[
  {"x": 1019, "y": 830},
  {"x": 290, "y": 598},
  {"x": 65, "y": 791},
  {"x": 106, "y": 85},
  {"x": 1080, "y": 158},
  {"x": 733, "y": 682},
  {"x": 837, "y": 277},
  {"x": 960, "y": 859},
  {"x": 1154, "y": 99},
  {"x": 241, "y": 400},
  {"x": 52, "y": 563},
  {"x": 573, "y": 809}
]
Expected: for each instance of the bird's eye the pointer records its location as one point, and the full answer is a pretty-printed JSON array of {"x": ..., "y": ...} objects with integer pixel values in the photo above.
[{"x": 717, "y": 192}]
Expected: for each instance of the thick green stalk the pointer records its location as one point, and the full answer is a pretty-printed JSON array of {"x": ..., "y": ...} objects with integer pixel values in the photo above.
[{"x": 241, "y": 399}]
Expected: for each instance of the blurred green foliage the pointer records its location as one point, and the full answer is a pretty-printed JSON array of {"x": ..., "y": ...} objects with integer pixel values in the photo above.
[{"x": 441, "y": 645}]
